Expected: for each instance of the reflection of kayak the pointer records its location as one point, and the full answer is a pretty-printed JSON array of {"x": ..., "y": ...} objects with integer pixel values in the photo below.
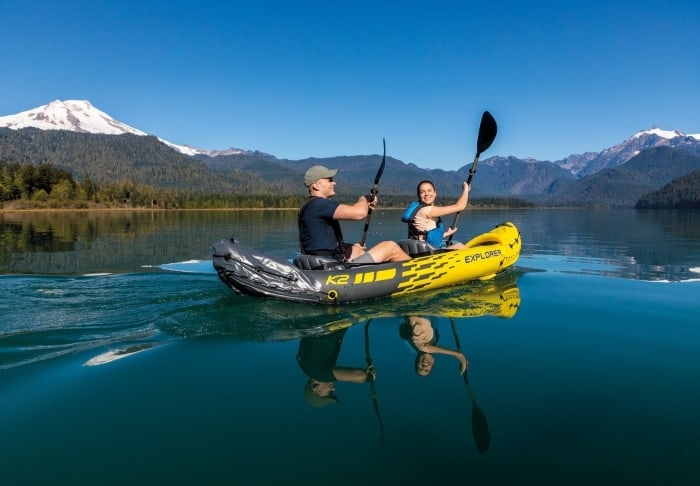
[
  {"x": 249, "y": 318},
  {"x": 498, "y": 297},
  {"x": 323, "y": 280},
  {"x": 501, "y": 300}
]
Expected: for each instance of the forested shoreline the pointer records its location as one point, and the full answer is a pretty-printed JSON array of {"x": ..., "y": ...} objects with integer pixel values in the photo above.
[
  {"x": 66, "y": 170},
  {"x": 45, "y": 187}
]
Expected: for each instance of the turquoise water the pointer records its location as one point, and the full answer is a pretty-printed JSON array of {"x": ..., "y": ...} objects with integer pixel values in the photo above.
[{"x": 124, "y": 359}]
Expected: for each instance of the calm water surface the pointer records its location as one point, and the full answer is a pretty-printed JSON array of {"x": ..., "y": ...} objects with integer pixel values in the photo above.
[{"x": 123, "y": 359}]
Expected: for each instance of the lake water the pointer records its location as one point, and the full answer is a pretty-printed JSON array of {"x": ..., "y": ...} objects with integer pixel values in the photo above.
[{"x": 123, "y": 358}]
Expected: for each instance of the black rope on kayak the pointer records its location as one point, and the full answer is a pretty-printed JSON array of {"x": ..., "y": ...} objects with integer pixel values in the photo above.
[
  {"x": 226, "y": 275},
  {"x": 373, "y": 387},
  {"x": 260, "y": 269}
]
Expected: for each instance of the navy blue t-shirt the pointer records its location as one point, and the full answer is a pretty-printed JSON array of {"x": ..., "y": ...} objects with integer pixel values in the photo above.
[
  {"x": 318, "y": 231},
  {"x": 317, "y": 355}
]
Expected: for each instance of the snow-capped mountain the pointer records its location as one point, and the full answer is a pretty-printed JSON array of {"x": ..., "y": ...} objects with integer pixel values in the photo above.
[
  {"x": 76, "y": 116},
  {"x": 619, "y": 154},
  {"x": 81, "y": 116}
]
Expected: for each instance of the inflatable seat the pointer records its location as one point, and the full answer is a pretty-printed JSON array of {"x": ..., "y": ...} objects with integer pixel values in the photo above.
[
  {"x": 417, "y": 247},
  {"x": 317, "y": 262}
]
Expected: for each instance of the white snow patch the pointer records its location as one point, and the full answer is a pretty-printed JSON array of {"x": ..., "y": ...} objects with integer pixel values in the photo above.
[
  {"x": 80, "y": 116},
  {"x": 668, "y": 134}
]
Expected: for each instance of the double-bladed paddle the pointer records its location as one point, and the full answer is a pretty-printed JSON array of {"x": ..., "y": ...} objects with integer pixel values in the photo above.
[
  {"x": 487, "y": 134},
  {"x": 480, "y": 427},
  {"x": 373, "y": 194}
]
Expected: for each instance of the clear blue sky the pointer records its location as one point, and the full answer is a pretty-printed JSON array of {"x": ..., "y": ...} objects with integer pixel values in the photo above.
[{"x": 321, "y": 78}]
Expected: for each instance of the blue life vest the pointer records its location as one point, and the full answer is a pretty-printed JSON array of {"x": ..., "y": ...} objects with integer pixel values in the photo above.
[{"x": 434, "y": 237}]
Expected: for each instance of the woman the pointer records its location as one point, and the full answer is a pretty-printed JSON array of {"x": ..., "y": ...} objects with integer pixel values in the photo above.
[
  {"x": 422, "y": 335},
  {"x": 424, "y": 218}
]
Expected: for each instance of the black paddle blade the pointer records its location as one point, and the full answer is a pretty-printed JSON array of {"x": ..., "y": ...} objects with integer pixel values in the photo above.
[
  {"x": 480, "y": 429},
  {"x": 487, "y": 132}
]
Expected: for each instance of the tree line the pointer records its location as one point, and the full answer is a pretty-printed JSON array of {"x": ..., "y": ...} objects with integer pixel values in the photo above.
[
  {"x": 28, "y": 186},
  {"x": 45, "y": 186}
]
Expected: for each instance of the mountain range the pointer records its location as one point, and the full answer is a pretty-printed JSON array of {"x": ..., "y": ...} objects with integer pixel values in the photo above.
[{"x": 77, "y": 136}]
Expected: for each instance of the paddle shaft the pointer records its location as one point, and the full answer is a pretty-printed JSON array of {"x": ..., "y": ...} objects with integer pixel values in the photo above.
[
  {"x": 373, "y": 386},
  {"x": 373, "y": 194},
  {"x": 480, "y": 427},
  {"x": 487, "y": 134},
  {"x": 472, "y": 171}
]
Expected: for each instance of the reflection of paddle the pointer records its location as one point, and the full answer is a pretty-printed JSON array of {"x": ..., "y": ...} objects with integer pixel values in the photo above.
[
  {"x": 480, "y": 428},
  {"x": 487, "y": 134},
  {"x": 372, "y": 385},
  {"x": 373, "y": 194}
]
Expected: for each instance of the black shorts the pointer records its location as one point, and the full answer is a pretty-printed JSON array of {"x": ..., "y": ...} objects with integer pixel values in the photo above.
[{"x": 340, "y": 253}]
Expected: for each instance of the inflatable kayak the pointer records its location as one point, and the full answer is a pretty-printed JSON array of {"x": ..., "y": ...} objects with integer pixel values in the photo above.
[{"x": 323, "y": 280}]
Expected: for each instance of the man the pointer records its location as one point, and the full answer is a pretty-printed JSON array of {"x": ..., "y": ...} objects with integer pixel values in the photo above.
[
  {"x": 319, "y": 230},
  {"x": 317, "y": 357}
]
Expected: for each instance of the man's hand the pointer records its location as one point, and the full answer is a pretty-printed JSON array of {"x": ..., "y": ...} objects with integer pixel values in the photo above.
[
  {"x": 371, "y": 200},
  {"x": 371, "y": 372},
  {"x": 463, "y": 363}
]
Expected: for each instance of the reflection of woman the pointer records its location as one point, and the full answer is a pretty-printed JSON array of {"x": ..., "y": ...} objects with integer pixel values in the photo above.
[
  {"x": 423, "y": 337},
  {"x": 317, "y": 357}
]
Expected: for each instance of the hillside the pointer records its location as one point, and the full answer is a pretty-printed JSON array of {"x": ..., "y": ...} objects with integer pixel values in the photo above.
[
  {"x": 517, "y": 177},
  {"x": 147, "y": 160},
  {"x": 681, "y": 193},
  {"x": 120, "y": 157},
  {"x": 625, "y": 184}
]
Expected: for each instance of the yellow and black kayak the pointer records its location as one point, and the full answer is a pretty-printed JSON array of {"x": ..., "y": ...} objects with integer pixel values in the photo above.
[{"x": 323, "y": 280}]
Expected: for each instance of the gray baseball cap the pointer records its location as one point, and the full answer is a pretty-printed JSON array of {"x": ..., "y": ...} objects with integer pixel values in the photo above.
[
  {"x": 317, "y": 172},
  {"x": 316, "y": 401}
]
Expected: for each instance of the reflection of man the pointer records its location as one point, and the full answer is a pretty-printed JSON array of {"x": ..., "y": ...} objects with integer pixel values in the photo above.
[{"x": 317, "y": 357}]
